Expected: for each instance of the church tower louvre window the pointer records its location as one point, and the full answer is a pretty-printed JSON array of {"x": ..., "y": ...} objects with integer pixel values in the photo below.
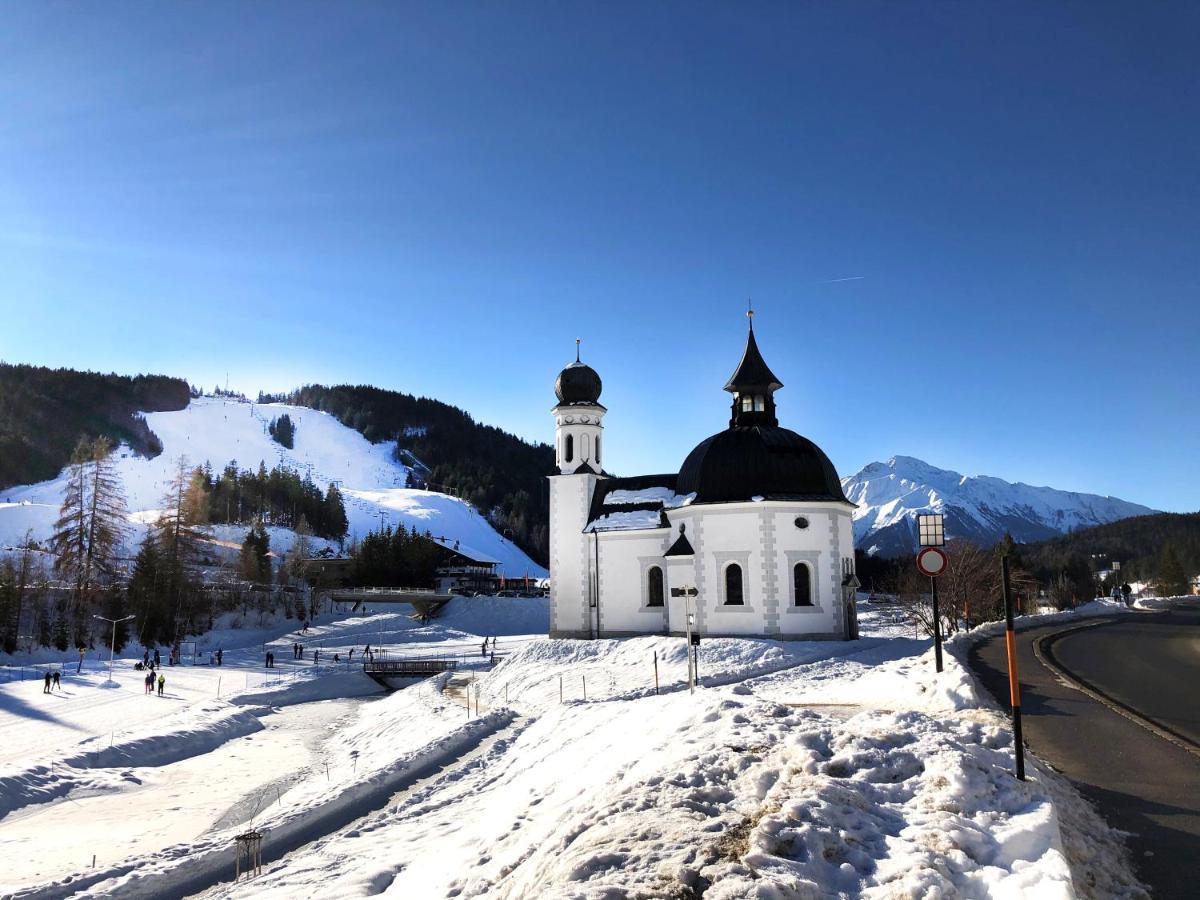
[{"x": 570, "y": 456}]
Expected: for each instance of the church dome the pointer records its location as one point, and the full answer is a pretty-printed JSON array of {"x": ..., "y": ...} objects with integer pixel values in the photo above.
[
  {"x": 765, "y": 461},
  {"x": 577, "y": 383}
]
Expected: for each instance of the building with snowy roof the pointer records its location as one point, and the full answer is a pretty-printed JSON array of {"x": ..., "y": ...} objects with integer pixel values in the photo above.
[{"x": 754, "y": 522}]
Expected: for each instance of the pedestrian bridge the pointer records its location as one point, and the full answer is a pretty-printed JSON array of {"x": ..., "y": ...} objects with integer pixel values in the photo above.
[
  {"x": 383, "y": 669},
  {"x": 427, "y": 603}
]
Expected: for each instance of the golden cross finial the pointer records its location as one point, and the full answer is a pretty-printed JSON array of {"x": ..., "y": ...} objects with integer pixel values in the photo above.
[{"x": 750, "y": 312}]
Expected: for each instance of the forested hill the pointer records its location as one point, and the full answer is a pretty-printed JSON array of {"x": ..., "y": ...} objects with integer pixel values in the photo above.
[
  {"x": 1144, "y": 545},
  {"x": 503, "y": 476},
  {"x": 43, "y": 413}
]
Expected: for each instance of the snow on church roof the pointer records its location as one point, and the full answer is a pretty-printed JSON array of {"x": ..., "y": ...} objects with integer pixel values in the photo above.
[{"x": 629, "y": 504}]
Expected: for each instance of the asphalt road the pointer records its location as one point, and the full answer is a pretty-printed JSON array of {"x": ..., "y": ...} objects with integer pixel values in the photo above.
[{"x": 1141, "y": 782}]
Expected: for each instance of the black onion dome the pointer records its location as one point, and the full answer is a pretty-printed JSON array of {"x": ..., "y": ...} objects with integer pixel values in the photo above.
[
  {"x": 766, "y": 461},
  {"x": 577, "y": 383}
]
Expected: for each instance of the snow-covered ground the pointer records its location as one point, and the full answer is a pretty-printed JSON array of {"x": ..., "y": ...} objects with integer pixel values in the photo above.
[
  {"x": 220, "y": 431},
  {"x": 796, "y": 769}
]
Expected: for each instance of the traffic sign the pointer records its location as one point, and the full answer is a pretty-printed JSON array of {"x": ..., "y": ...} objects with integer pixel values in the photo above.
[{"x": 931, "y": 561}]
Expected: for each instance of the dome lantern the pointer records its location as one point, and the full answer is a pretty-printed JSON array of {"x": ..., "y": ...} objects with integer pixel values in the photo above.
[{"x": 753, "y": 386}]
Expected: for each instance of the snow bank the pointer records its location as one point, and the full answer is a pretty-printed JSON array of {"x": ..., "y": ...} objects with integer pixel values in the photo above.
[
  {"x": 497, "y": 615},
  {"x": 398, "y": 740},
  {"x": 614, "y": 669}
]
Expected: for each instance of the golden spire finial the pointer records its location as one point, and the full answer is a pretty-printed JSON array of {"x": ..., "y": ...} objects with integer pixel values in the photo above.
[
  {"x": 750, "y": 312},
  {"x": 577, "y": 342}
]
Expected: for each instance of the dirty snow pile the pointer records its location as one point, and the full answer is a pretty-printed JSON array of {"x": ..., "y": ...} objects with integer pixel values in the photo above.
[{"x": 568, "y": 769}]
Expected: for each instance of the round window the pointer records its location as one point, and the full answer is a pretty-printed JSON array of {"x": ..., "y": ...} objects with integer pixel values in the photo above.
[{"x": 801, "y": 522}]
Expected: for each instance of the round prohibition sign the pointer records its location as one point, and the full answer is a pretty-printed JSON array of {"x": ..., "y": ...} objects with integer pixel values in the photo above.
[{"x": 931, "y": 561}]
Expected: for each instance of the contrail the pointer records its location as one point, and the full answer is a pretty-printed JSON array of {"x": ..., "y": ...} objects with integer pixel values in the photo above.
[{"x": 847, "y": 278}]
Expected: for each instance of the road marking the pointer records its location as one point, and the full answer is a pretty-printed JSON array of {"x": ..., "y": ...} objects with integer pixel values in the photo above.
[{"x": 1045, "y": 655}]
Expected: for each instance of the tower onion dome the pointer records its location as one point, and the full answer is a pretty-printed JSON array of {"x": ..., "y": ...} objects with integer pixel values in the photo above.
[
  {"x": 754, "y": 458},
  {"x": 577, "y": 383}
]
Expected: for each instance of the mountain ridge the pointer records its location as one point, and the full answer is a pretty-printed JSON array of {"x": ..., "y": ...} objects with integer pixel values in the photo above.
[{"x": 980, "y": 508}]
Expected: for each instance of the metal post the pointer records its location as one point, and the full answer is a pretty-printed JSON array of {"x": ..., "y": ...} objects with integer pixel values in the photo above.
[
  {"x": 687, "y": 614},
  {"x": 937, "y": 626},
  {"x": 1014, "y": 686},
  {"x": 584, "y": 677},
  {"x": 656, "y": 673},
  {"x": 560, "y": 689}
]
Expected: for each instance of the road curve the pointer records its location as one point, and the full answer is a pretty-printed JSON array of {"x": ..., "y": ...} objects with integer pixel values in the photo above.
[{"x": 1142, "y": 783}]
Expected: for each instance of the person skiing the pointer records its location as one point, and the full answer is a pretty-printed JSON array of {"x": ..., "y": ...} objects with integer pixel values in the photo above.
[
  {"x": 148, "y": 683},
  {"x": 483, "y": 649},
  {"x": 315, "y": 652},
  {"x": 145, "y": 658},
  {"x": 46, "y": 683},
  {"x": 220, "y": 655},
  {"x": 351, "y": 656},
  {"x": 162, "y": 682},
  {"x": 157, "y": 659},
  {"x": 58, "y": 680}
]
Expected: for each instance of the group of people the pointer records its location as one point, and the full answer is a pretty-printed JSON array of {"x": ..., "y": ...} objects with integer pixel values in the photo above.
[
  {"x": 149, "y": 682},
  {"x": 483, "y": 651},
  {"x": 51, "y": 679}
]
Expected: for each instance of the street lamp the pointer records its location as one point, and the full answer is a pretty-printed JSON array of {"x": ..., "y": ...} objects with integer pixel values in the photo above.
[{"x": 112, "y": 647}]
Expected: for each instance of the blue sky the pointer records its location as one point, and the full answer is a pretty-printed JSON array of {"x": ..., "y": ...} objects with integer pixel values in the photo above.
[{"x": 971, "y": 234}]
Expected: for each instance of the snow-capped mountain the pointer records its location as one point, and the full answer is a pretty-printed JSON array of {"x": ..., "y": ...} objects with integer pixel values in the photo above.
[
  {"x": 217, "y": 431},
  {"x": 977, "y": 508}
]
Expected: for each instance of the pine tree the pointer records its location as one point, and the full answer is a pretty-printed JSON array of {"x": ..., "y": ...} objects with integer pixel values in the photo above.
[
  {"x": 334, "y": 514},
  {"x": 145, "y": 596},
  {"x": 255, "y": 563},
  {"x": 179, "y": 533},
  {"x": 90, "y": 528},
  {"x": 295, "y": 562},
  {"x": 1172, "y": 579}
]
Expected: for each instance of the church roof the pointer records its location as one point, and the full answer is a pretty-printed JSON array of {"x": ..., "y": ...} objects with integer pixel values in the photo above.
[
  {"x": 681, "y": 547},
  {"x": 626, "y": 504},
  {"x": 752, "y": 372},
  {"x": 758, "y": 462},
  {"x": 578, "y": 384}
]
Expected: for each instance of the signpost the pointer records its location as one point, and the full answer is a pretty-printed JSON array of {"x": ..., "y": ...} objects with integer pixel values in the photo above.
[
  {"x": 932, "y": 562},
  {"x": 693, "y": 641},
  {"x": 1014, "y": 686}
]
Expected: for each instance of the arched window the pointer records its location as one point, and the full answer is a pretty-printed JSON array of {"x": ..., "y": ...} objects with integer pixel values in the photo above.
[
  {"x": 654, "y": 587},
  {"x": 570, "y": 447},
  {"x": 803, "y": 582},
  {"x": 597, "y": 449},
  {"x": 733, "y": 585}
]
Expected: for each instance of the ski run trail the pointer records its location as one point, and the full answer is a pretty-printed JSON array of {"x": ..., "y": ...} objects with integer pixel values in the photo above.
[{"x": 795, "y": 770}]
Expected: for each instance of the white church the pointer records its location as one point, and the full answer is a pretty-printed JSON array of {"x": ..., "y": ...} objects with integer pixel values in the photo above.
[{"x": 755, "y": 521}]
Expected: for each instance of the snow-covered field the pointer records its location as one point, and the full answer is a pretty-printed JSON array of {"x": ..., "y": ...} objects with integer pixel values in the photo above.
[
  {"x": 798, "y": 769},
  {"x": 219, "y": 431}
]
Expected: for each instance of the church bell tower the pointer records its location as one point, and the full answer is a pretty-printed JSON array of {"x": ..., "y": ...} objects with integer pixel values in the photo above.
[{"x": 578, "y": 456}]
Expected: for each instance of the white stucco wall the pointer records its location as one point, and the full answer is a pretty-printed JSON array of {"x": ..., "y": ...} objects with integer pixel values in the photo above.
[
  {"x": 570, "y": 498},
  {"x": 760, "y": 537}
]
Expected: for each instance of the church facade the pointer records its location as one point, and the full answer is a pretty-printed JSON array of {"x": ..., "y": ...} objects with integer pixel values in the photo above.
[{"x": 751, "y": 537}]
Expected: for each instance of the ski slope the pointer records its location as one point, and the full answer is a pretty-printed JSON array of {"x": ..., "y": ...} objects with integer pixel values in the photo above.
[{"x": 219, "y": 431}]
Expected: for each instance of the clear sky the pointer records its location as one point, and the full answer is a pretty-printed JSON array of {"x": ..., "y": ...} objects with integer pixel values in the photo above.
[{"x": 971, "y": 231}]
